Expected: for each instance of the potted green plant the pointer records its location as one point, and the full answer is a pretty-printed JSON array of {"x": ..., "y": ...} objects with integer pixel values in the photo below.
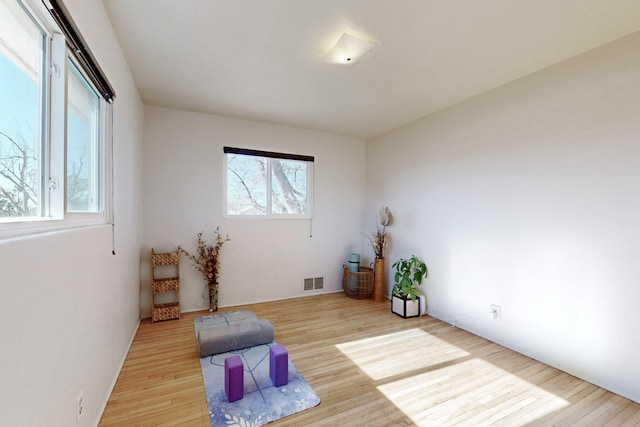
[{"x": 404, "y": 295}]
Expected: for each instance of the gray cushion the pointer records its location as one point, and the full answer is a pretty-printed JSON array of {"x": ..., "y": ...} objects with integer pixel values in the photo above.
[
  {"x": 247, "y": 333},
  {"x": 239, "y": 316}
]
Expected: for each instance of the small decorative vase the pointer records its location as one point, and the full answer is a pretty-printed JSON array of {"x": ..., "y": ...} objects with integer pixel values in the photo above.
[
  {"x": 378, "y": 280},
  {"x": 213, "y": 296}
]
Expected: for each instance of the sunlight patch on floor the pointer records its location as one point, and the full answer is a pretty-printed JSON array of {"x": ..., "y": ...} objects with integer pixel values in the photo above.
[
  {"x": 473, "y": 392},
  {"x": 437, "y": 383},
  {"x": 398, "y": 353}
]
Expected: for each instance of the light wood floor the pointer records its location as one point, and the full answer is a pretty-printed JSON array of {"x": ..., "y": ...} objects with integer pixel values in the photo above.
[{"x": 370, "y": 368}]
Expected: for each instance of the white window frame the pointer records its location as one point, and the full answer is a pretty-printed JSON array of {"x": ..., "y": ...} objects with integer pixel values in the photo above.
[
  {"x": 53, "y": 214},
  {"x": 269, "y": 214}
]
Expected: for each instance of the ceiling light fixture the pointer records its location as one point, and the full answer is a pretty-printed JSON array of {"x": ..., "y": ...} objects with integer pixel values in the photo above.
[{"x": 349, "y": 49}]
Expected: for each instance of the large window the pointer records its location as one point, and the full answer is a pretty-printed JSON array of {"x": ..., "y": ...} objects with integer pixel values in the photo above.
[
  {"x": 54, "y": 123},
  {"x": 260, "y": 183}
]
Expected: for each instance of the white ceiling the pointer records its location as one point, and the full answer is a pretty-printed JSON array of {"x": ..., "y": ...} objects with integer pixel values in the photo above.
[{"x": 263, "y": 59}]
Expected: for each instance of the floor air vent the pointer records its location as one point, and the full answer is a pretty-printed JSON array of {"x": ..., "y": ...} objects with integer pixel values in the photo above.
[
  {"x": 308, "y": 284},
  {"x": 313, "y": 283}
]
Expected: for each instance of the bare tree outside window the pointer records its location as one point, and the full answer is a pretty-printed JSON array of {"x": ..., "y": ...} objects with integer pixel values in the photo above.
[
  {"x": 289, "y": 187},
  {"x": 77, "y": 187},
  {"x": 246, "y": 185},
  {"x": 248, "y": 191},
  {"x": 19, "y": 177}
]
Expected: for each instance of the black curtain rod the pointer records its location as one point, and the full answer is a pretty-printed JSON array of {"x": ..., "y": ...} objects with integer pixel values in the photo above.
[
  {"x": 62, "y": 17},
  {"x": 258, "y": 153}
]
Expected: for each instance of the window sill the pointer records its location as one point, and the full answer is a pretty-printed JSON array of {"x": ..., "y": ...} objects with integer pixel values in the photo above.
[{"x": 29, "y": 227}]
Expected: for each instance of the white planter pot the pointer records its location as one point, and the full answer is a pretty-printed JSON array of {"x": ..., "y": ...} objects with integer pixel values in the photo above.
[{"x": 404, "y": 307}]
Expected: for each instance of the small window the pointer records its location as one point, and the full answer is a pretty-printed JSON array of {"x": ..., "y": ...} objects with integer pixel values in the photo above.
[{"x": 260, "y": 183}]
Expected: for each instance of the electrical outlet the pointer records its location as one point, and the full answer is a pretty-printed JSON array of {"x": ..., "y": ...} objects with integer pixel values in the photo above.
[
  {"x": 495, "y": 312},
  {"x": 79, "y": 407}
]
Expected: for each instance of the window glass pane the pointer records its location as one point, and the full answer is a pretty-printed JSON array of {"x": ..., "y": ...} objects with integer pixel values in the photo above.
[
  {"x": 21, "y": 85},
  {"x": 246, "y": 185},
  {"x": 288, "y": 187},
  {"x": 83, "y": 147},
  {"x": 267, "y": 185}
]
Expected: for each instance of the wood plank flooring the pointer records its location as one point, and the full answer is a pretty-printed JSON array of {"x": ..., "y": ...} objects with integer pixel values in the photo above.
[{"x": 370, "y": 368}]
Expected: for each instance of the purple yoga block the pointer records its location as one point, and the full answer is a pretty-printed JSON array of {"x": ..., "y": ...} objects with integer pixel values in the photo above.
[
  {"x": 279, "y": 365},
  {"x": 234, "y": 378}
]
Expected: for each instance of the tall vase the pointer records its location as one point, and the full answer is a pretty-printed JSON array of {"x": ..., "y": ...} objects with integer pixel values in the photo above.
[
  {"x": 213, "y": 296},
  {"x": 378, "y": 280}
]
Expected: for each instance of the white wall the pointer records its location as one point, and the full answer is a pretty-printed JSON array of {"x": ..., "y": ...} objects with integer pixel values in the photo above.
[
  {"x": 265, "y": 259},
  {"x": 528, "y": 197},
  {"x": 70, "y": 308}
]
